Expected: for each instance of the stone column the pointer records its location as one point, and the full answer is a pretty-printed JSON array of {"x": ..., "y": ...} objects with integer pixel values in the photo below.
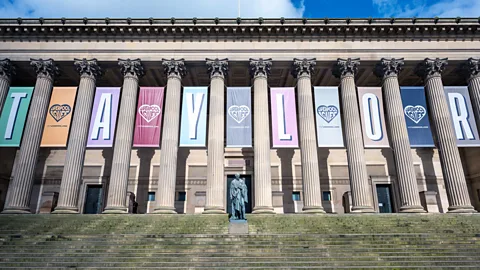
[
  {"x": 20, "y": 188},
  {"x": 431, "y": 71},
  {"x": 312, "y": 194},
  {"x": 217, "y": 68},
  {"x": 72, "y": 171},
  {"x": 132, "y": 70},
  {"x": 165, "y": 196},
  {"x": 345, "y": 69},
  {"x": 388, "y": 70},
  {"x": 6, "y": 72},
  {"x": 262, "y": 175},
  {"x": 473, "y": 72}
]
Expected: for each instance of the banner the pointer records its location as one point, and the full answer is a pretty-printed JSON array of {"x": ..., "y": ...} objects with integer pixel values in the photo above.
[
  {"x": 463, "y": 119},
  {"x": 416, "y": 116},
  {"x": 239, "y": 117},
  {"x": 14, "y": 114},
  {"x": 193, "y": 130},
  {"x": 59, "y": 116},
  {"x": 327, "y": 116},
  {"x": 149, "y": 117},
  {"x": 104, "y": 117},
  {"x": 284, "y": 117},
  {"x": 373, "y": 117}
]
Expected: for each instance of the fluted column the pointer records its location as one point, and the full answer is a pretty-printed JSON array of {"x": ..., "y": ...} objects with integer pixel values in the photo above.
[
  {"x": 72, "y": 171},
  {"x": 312, "y": 194},
  {"x": 175, "y": 70},
  {"x": 453, "y": 175},
  {"x": 473, "y": 72},
  {"x": 345, "y": 69},
  {"x": 20, "y": 188},
  {"x": 262, "y": 174},
  {"x": 6, "y": 72},
  {"x": 217, "y": 68},
  {"x": 132, "y": 70},
  {"x": 388, "y": 70}
]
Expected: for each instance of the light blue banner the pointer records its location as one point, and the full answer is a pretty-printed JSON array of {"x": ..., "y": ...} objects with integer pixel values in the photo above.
[
  {"x": 463, "y": 119},
  {"x": 327, "y": 115},
  {"x": 193, "y": 130},
  {"x": 416, "y": 116}
]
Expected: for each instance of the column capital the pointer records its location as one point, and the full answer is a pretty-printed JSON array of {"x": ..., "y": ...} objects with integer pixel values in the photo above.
[
  {"x": 389, "y": 67},
  {"x": 303, "y": 67},
  {"x": 45, "y": 67},
  {"x": 346, "y": 67},
  {"x": 132, "y": 67},
  {"x": 174, "y": 68},
  {"x": 260, "y": 67},
  {"x": 471, "y": 68},
  {"x": 217, "y": 67},
  {"x": 429, "y": 68},
  {"x": 7, "y": 69},
  {"x": 89, "y": 68}
]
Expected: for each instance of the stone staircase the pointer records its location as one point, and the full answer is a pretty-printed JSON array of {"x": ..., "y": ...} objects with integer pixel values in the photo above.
[{"x": 281, "y": 242}]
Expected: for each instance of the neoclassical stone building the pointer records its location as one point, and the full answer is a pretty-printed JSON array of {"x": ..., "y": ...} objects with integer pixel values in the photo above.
[{"x": 373, "y": 166}]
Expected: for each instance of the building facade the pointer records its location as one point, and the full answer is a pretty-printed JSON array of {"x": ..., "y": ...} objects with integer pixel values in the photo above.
[{"x": 318, "y": 115}]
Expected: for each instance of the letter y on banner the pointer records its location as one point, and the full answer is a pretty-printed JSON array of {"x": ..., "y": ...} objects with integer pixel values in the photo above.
[{"x": 193, "y": 129}]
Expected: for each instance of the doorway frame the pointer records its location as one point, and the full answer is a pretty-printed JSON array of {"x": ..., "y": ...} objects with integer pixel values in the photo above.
[
  {"x": 385, "y": 180},
  {"x": 102, "y": 180}
]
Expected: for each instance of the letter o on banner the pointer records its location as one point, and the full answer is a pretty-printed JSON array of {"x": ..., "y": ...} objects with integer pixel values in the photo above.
[{"x": 371, "y": 113}]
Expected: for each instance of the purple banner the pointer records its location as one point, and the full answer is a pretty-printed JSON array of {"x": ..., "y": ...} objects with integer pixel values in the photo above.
[
  {"x": 104, "y": 117},
  {"x": 284, "y": 117}
]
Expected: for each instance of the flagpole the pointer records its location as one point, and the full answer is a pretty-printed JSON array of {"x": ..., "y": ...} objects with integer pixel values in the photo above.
[{"x": 239, "y": 8}]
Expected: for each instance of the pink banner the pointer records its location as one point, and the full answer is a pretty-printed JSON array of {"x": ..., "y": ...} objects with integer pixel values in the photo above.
[
  {"x": 284, "y": 117},
  {"x": 149, "y": 117}
]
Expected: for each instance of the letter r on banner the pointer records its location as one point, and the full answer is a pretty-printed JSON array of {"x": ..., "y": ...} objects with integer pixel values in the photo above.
[
  {"x": 460, "y": 116},
  {"x": 17, "y": 98},
  {"x": 371, "y": 112},
  {"x": 103, "y": 118}
]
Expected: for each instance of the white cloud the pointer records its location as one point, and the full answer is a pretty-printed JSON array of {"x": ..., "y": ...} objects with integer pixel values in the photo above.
[
  {"x": 149, "y": 8},
  {"x": 420, "y": 8}
]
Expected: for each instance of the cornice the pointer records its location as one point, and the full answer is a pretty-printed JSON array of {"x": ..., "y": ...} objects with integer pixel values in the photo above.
[{"x": 151, "y": 28}]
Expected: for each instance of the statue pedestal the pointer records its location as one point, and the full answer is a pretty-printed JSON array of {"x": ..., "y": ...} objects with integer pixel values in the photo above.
[{"x": 238, "y": 227}]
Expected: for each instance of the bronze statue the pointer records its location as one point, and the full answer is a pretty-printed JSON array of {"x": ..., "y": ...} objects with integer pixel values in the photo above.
[{"x": 238, "y": 197}]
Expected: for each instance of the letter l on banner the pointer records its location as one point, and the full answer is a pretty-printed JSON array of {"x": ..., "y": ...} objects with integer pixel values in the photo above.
[{"x": 284, "y": 117}]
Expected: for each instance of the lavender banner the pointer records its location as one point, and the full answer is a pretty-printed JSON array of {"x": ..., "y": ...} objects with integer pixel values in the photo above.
[
  {"x": 104, "y": 117},
  {"x": 284, "y": 117},
  {"x": 239, "y": 117}
]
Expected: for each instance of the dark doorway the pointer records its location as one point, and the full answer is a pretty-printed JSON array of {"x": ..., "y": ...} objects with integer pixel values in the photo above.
[
  {"x": 93, "y": 200},
  {"x": 384, "y": 194},
  {"x": 248, "y": 182}
]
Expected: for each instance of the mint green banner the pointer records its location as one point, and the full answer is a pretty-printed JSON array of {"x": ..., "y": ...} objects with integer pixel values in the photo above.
[{"x": 14, "y": 113}]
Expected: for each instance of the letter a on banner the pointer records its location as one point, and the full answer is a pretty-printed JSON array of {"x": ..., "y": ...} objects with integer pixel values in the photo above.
[
  {"x": 239, "y": 117},
  {"x": 149, "y": 117},
  {"x": 104, "y": 117},
  {"x": 463, "y": 119},
  {"x": 59, "y": 116},
  {"x": 14, "y": 114},
  {"x": 284, "y": 117},
  {"x": 416, "y": 116},
  {"x": 327, "y": 116},
  {"x": 193, "y": 130},
  {"x": 373, "y": 117}
]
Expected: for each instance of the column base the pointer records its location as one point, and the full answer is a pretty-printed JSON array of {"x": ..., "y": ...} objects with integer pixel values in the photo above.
[
  {"x": 461, "y": 209},
  {"x": 213, "y": 210},
  {"x": 263, "y": 210},
  {"x": 164, "y": 211},
  {"x": 362, "y": 209},
  {"x": 412, "y": 209},
  {"x": 65, "y": 210},
  {"x": 16, "y": 210},
  {"x": 313, "y": 210},
  {"x": 115, "y": 210}
]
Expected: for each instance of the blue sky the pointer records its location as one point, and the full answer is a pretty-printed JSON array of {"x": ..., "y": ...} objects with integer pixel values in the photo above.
[{"x": 229, "y": 8}]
